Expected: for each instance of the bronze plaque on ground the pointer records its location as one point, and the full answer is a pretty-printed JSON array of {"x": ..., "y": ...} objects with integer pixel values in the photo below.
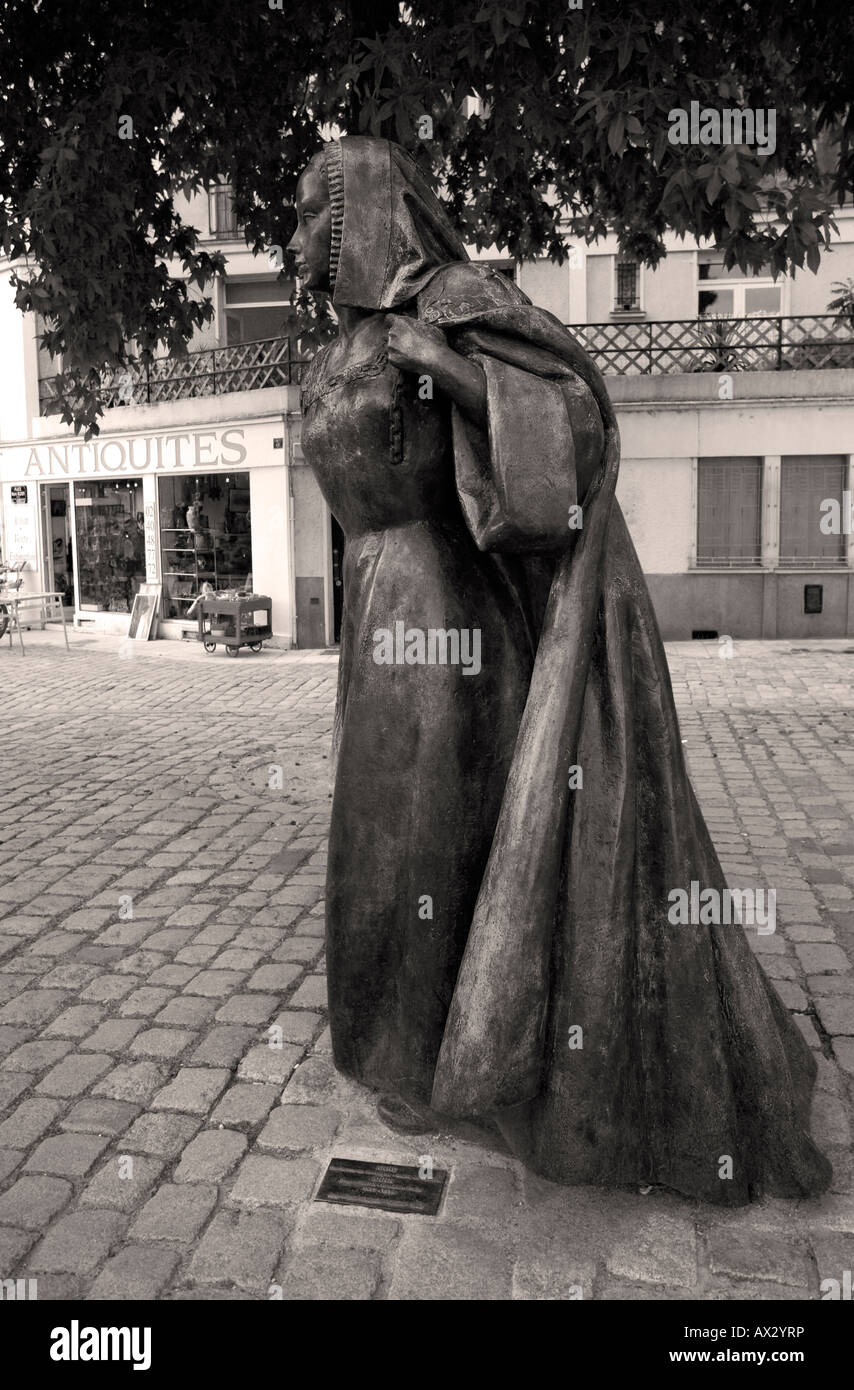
[{"x": 392, "y": 1186}]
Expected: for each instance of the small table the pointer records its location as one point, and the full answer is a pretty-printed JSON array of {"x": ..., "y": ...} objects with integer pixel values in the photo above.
[{"x": 45, "y": 601}]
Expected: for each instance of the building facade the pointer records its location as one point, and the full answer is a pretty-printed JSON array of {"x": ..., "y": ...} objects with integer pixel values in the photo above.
[{"x": 735, "y": 398}]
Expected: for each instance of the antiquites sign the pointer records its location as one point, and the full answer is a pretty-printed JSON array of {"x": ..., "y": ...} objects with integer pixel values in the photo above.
[{"x": 142, "y": 453}]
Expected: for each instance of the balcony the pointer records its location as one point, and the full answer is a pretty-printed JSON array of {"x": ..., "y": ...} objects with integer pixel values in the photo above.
[
  {"x": 211, "y": 372},
  {"x": 719, "y": 344},
  {"x": 619, "y": 349}
]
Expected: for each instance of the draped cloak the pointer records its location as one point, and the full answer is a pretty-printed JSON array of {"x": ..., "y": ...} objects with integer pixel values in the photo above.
[{"x": 610, "y": 1044}]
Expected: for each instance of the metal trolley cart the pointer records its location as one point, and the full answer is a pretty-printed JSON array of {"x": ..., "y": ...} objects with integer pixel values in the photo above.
[{"x": 235, "y": 622}]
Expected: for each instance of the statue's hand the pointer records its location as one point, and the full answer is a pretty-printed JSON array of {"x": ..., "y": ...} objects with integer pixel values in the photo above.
[{"x": 414, "y": 346}]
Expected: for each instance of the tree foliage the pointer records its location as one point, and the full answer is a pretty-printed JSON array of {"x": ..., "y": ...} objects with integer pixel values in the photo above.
[{"x": 569, "y": 137}]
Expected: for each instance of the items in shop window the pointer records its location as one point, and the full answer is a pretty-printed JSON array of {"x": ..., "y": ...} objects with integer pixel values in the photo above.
[
  {"x": 203, "y": 539},
  {"x": 111, "y": 555},
  {"x": 207, "y": 591}
]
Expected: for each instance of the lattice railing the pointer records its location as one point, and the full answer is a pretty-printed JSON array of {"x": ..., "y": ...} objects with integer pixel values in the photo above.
[
  {"x": 719, "y": 344},
  {"x": 211, "y": 372},
  {"x": 621, "y": 349}
]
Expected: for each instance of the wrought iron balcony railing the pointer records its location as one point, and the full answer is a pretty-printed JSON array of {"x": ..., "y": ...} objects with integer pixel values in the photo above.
[{"x": 621, "y": 349}]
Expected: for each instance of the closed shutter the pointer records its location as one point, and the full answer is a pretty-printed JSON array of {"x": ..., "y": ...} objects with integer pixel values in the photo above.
[
  {"x": 729, "y": 496},
  {"x": 805, "y": 482}
]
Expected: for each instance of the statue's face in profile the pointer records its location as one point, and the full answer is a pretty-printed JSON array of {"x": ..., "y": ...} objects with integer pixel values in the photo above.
[{"x": 311, "y": 241}]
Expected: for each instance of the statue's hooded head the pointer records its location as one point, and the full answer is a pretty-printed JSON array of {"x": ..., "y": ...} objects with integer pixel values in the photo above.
[{"x": 389, "y": 233}]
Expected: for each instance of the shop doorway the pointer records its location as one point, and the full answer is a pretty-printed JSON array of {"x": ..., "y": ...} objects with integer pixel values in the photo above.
[
  {"x": 58, "y": 549},
  {"x": 337, "y": 577}
]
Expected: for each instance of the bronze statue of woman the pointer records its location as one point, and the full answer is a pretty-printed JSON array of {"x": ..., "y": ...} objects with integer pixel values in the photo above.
[{"x": 512, "y": 812}]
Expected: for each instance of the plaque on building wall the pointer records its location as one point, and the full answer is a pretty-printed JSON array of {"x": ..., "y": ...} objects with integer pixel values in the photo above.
[{"x": 19, "y": 492}]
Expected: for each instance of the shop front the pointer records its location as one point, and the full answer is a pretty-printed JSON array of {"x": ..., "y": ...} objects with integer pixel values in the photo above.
[{"x": 95, "y": 520}]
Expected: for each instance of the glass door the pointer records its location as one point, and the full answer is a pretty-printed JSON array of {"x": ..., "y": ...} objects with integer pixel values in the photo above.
[{"x": 58, "y": 548}]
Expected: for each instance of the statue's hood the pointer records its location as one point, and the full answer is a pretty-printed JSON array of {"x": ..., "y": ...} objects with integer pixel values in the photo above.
[{"x": 389, "y": 232}]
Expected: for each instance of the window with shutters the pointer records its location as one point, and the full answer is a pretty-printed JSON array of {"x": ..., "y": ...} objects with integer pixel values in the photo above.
[
  {"x": 627, "y": 293},
  {"x": 729, "y": 512},
  {"x": 223, "y": 218},
  {"x": 806, "y": 481}
]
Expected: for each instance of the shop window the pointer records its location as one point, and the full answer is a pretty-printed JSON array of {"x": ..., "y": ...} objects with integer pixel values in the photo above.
[
  {"x": 110, "y": 544},
  {"x": 205, "y": 536},
  {"x": 729, "y": 496},
  {"x": 806, "y": 481}
]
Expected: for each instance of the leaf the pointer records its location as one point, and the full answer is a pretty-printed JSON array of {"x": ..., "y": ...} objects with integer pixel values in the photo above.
[
  {"x": 675, "y": 181},
  {"x": 616, "y": 131},
  {"x": 714, "y": 186}
]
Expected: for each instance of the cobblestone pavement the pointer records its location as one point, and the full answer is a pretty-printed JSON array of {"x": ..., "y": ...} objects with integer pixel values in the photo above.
[{"x": 162, "y": 824}]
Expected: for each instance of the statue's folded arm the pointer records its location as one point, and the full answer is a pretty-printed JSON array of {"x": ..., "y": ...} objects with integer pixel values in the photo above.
[{"x": 519, "y": 482}]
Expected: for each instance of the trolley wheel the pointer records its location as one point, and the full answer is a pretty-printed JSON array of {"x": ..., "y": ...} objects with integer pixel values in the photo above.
[
  {"x": 232, "y": 651},
  {"x": 254, "y": 646},
  {"x": 210, "y": 646},
  {"x": 4, "y": 619}
]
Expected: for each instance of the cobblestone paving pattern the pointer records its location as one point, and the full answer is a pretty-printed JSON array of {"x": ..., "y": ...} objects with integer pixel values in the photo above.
[{"x": 161, "y": 910}]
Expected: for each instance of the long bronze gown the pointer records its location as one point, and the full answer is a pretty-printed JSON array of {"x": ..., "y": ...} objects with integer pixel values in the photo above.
[{"x": 479, "y": 911}]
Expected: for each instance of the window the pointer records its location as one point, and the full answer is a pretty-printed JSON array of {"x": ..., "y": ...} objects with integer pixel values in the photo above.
[
  {"x": 732, "y": 294},
  {"x": 256, "y": 309},
  {"x": 205, "y": 536},
  {"x": 626, "y": 286},
  {"x": 47, "y": 366},
  {"x": 729, "y": 495},
  {"x": 223, "y": 221},
  {"x": 110, "y": 544},
  {"x": 805, "y": 482}
]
